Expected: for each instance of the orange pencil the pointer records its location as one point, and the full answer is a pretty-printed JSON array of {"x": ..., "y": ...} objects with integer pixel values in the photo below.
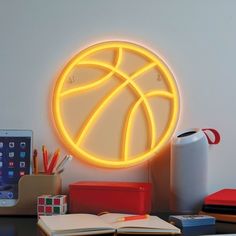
[
  {"x": 136, "y": 217},
  {"x": 53, "y": 162}
]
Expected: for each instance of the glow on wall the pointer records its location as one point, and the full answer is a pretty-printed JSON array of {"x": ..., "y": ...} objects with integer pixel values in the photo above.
[{"x": 115, "y": 104}]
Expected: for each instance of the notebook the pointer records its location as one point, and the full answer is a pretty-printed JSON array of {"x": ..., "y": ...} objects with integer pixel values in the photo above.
[
  {"x": 87, "y": 224},
  {"x": 220, "y": 217}
]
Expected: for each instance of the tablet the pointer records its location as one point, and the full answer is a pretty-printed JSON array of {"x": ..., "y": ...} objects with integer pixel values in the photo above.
[{"x": 15, "y": 162}]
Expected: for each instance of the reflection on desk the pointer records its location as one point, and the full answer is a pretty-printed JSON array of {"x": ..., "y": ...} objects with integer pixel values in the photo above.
[{"x": 225, "y": 228}]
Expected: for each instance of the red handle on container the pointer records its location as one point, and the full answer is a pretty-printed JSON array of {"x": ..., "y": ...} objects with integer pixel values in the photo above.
[{"x": 215, "y": 133}]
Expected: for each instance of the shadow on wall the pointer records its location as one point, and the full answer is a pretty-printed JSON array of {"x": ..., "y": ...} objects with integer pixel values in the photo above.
[{"x": 159, "y": 173}]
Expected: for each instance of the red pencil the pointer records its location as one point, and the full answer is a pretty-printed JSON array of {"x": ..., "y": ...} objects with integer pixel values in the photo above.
[
  {"x": 45, "y": 159},
  {"x": 53, "y": 162}
]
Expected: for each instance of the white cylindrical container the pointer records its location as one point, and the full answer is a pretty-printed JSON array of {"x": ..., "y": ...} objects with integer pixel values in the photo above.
[{"x": 188, "y": 178}]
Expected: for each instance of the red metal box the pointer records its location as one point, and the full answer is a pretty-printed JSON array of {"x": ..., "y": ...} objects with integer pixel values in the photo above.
[{"x": 97, "y": 197}]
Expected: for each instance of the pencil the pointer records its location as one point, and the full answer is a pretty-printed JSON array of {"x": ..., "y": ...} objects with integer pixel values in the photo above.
[
  {"x": 61, "y": 166},
  {"x": 135, "y": 217},
  {"x": 45, "y": 159},
  {"x": 35, "y": 160},
  {"x": 53, "y": 162}
]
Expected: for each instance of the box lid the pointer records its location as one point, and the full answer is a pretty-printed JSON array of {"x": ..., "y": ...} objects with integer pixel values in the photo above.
[
  {"x": 117, "y": 186},
  {"x": 224, "y": 197}
]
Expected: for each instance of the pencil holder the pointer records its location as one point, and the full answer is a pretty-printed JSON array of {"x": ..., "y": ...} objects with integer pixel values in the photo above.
[{"x": 29, "y": 188}]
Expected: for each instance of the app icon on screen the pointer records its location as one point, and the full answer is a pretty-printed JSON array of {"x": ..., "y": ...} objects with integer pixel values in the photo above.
[
  {"x": 22, "y": 164},
  {"x": 1, "y": 144},
  {"x": 11, "y": 154},
  {"x": 10, "y": 173},
  {"x": 22, "y": 145},
  {"x": 11, "y": 145},
  {"x": 0, "y": 154},
  {"x": 0, "y": 164},
  {"x": 10, "y": 195},
  {"x": 22, "y": 154},
  {"x": 22, "y": 173},
  {"x": 11, "y": 164}
]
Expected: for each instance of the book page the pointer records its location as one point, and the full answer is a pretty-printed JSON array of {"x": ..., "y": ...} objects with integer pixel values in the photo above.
[
  {"x": 74, "y": 223},
  {"x": 151, "y": 224}
]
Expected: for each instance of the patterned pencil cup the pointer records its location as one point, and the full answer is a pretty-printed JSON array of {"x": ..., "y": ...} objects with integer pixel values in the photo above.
[
  {"x": 188, "y": 181},
  {"x": 29, "y": 188}
]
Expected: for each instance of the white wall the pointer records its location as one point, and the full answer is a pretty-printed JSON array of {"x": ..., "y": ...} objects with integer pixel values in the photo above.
[{"x": 197, "y": 38}]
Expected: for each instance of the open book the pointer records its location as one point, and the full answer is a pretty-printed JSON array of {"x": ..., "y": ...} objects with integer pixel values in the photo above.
[{"x": 86, "y": 224}]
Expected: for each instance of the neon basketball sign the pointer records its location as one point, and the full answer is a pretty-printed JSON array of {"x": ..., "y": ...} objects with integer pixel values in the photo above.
[{"x": 115, "y": 104}]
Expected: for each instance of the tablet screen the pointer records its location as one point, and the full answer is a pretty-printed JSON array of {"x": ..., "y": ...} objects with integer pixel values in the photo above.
[{"x": 15, "y": 161}]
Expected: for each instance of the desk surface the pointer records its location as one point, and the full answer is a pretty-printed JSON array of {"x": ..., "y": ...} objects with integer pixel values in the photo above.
[
  {"x": 26, "y": 226},
  {"x": 18, "y": 226}
]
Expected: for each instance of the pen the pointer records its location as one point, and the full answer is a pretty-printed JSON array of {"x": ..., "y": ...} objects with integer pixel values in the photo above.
[
  {"x": 53, "y": 162},
  {"x": 61, "y": 164},
  {"x": 45, "y": 159},
  {"x": 136, "y": 217},
  {"x": 60, "y": 168},
  {"x": 59, "y": 171},
  {"x": 35, "y": 160}
]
